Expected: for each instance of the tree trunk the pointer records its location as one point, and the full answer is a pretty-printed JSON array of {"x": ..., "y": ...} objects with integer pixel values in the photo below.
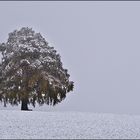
[
  {"x": 24, "y": 104},
  {"x": 4, "y": 103}
]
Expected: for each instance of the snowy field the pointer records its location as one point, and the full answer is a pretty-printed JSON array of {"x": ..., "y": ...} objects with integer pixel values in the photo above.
[{"x": 41, "y": 124}]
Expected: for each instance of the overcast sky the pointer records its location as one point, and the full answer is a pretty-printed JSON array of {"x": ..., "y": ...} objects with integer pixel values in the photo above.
[{"x": 100, "y": 46}]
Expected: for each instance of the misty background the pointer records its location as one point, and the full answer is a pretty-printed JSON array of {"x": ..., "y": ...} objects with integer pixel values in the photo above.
[{"x": 99, "y": 44}]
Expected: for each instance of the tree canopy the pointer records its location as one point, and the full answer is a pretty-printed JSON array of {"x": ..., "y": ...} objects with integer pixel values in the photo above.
[{"x": 31, "y": 70}]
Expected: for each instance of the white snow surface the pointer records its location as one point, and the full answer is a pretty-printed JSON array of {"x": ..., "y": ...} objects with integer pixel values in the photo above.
[{"x": 16, "y": 124}]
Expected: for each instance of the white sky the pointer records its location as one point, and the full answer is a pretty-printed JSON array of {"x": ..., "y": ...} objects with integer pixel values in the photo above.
[{"x": 99, "y": 43}]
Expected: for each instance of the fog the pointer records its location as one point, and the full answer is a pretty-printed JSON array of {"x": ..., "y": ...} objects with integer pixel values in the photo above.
[{"x": 99, "y": 44}]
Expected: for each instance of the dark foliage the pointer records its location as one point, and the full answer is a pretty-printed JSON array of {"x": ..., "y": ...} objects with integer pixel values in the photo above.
[{"x": 31, "y": 70}]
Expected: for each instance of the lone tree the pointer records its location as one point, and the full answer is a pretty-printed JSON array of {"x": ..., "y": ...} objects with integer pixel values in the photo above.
[{"x": 31, "y": 71}]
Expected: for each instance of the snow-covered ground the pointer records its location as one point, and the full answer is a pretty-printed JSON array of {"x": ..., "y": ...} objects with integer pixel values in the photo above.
[{"x": 41, "y": 124}]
